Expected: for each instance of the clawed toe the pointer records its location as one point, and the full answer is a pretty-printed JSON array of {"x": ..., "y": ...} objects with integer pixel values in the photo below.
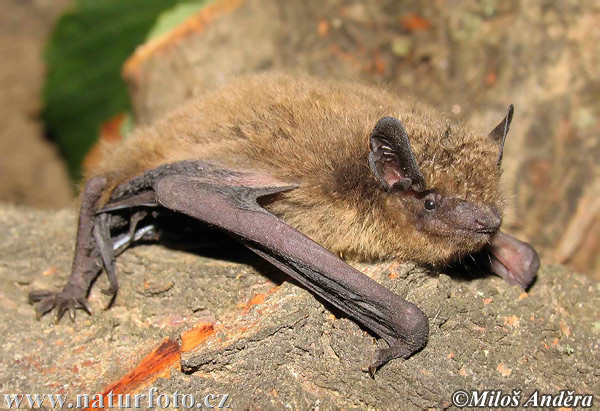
[
  {"x": 84, "y": 305},
  {"x": 39, "y": 295},
  {"x": 43, "y": 306},
  {"x": 61, "y": 308},
  {"x": 60, "y": 302}
]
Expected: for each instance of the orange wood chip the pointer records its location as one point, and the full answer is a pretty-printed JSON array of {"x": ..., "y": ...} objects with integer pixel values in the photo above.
[
  {"x": 323, "y": 27},
  {"x": 149, "y": 369},
  {"x": 513, "y": 321},
  {"x": 413, "y": 22},
  {"x": 196, "y": 336},
  {"x": 504, "y": 370},
  {"x": 565, "y": 329}
]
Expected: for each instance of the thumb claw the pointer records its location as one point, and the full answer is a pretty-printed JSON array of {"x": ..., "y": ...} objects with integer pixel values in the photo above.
[{"x": 399, "y": 349}]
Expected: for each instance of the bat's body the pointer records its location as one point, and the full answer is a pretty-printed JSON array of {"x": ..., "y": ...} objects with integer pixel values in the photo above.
[
  {"x": 329, "y": 163},
  {"x": 316, "y": 134}
]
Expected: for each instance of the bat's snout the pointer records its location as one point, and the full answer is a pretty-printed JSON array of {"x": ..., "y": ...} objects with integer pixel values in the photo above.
[
  {"x": 473, "y": 218},
  {"x": 488, "y": 223}
]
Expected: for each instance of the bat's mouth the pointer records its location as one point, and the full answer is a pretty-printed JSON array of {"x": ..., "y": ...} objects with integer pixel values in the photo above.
[
  {"x": 486, "y": 230},
  {"x": 479, "y": 235},
  {"x": 514, "y": 260}
]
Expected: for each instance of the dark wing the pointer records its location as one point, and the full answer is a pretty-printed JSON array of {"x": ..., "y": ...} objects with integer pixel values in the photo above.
[
  {"x": 228, "y": 199},
  {"x": 230, "y": 203}
]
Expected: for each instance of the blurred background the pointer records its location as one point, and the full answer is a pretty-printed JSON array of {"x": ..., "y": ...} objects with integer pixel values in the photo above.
[{"x": 74, "y": 72}]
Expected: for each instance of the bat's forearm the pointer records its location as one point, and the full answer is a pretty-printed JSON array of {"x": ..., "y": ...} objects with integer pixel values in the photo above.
[
  {"x": 85, "y": 264},
  {"x": 233, "y": 207}
]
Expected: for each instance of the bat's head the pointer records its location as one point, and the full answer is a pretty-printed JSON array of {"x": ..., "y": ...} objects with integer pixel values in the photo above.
[{"x": 451, "y": 197}]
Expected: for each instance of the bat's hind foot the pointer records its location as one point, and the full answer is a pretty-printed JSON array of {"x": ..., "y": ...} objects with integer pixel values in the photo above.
[
  {"x": 69, "y": 299},
  {"x": 93, "y": 252}
]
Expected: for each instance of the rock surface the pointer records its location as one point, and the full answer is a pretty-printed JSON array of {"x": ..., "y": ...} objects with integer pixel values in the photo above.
[{"x": 271, "y": 343}]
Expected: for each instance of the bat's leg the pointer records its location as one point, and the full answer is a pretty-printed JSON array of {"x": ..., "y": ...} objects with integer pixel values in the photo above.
[
  {"x": 230, "y": 203},
  {"x": 145, "y": 233},
  {"x": 85, "y": 262},
  {"x": 133, "y": 222},
  {"x": 96, "y": 249},
  {"x": 105, "y": 246}
]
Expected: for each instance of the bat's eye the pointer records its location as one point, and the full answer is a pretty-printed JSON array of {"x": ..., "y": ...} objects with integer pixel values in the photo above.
[{"x": 429, "y": 204}]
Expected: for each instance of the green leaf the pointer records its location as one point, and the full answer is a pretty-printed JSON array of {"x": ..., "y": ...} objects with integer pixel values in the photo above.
[{"x": 84, "y": 57}]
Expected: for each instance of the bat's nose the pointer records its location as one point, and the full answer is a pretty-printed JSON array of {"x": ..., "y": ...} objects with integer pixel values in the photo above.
[
  {"x": 476, "y": 218},
  {"x": 488, "y": 222}
]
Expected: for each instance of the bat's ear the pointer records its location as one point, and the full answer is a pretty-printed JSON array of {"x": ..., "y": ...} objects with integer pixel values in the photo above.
[
  {"x": 499, "y": 133},
  {"x": 391, "y": 158}
]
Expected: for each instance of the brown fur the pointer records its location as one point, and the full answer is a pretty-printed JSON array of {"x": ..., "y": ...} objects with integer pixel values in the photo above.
[{"x": 316, "y": 133}]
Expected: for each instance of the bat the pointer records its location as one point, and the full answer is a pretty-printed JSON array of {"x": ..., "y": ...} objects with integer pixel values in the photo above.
[{"x": 300, "y": 170}]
